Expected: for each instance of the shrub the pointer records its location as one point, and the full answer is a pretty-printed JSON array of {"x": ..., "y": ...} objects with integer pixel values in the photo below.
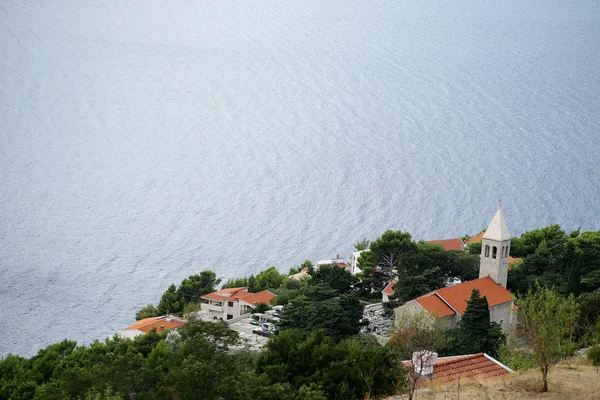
[{"x": 593, "y": 355}]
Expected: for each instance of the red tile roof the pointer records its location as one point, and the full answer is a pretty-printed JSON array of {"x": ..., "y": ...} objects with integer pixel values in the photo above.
[
  {"x": 242, "y": 293},
  {"x": 476, "y": 366},
  {"x": 456, "y": 296},
  {"x": 476, "y": 239},
  {"x": 468, "y": 367},
  {"x": 254, "y": 298},
  {"x": 449, "y": 244},
  {"x": 160, "y": 323},
  {"x": 389, "y": 289},
  {"x": 435, "y": 306},
  {"x": 512, "y": 260}
]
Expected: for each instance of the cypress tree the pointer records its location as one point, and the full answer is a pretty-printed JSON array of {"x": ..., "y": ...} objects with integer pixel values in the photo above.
[{"x": 475, "y": 323}]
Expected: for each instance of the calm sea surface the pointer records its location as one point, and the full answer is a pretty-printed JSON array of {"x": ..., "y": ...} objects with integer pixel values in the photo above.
[{"x": 141, "y": 142}]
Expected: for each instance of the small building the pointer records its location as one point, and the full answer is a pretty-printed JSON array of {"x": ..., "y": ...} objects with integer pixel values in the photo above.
[
  {"x": 231, "y": 303},
  {"x": 472, "y": 367},
  {"x": 145, "y": 325},
  {"x": 387, "y": 292}
]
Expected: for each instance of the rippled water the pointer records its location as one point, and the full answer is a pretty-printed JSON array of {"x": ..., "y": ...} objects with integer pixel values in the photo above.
[{"x": 143, "y": 142}]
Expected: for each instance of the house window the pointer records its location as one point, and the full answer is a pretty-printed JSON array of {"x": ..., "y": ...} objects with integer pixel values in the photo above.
[
  {"x": 487, "y": 250},
  {"x": 494, "y": 252},
  {"x": 229, "y": 316},
  {"x": 230, "y": 303},
  {"x": 217, "y": 303}
]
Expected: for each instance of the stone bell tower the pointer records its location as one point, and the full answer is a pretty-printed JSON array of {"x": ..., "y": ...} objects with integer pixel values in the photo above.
[{"x": 495, "y": 248}]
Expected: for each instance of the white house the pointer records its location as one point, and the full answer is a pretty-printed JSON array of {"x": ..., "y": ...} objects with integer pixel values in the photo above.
[
  {"x": 233, "y": 302},
  {"x": 354, "y": 262}
]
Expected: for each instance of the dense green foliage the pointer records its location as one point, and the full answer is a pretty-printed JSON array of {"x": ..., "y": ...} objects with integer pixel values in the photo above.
[
  {"x": 175, "y": 299},
  {"x": 475, "y": 332},
  {"x": 334, "y": 370},
  {"x": 195, "y": 364},
  {"x": 269, "y": 279},
  {"x": 336, "y": 278},
  {"x": 568, "y": 263},
  {"x": 426, "y": 267},
  {"x": 593, "y": 356},
  {"x": 321, "y": 307},
  {"x": 147, "y": 312}
]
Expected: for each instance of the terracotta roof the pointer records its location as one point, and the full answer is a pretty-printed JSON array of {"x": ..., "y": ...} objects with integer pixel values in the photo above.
[
  {"x": 449, "y": 244},
  {"x": 389, "y": 289},
  {"x": 456, "y": 296},
  {"x": 476, "y": 239},
  {"x": 512, "y": 260},
  {"x": 234, "y": 294},
  {"x": 160, "y": 323},
  {"x": 254, "y": 298},
  {"x": 435, "y": 306},
  {"x": 476, "y": 366},
  {"x": 230, "y": 290},
  {"x": 225, "y": 294}
]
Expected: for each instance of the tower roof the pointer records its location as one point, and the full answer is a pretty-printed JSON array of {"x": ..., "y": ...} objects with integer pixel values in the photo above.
[{"x": 497, "y": 229}]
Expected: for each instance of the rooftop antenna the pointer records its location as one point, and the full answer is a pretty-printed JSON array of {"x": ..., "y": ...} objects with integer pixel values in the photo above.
[{"x": 500, "y": 202}]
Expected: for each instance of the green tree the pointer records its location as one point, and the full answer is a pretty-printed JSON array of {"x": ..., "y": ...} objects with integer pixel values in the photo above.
[
  {"x": 337, "y": 278},
  {"x": 321, "y": 307},
  {"x": 545, "y": 326},
  {"x": 194, "y": 287},
  {"x": 380, "y": 262},
  {"x": 270, "y": 278},
  {"x": 593, "y": 356},
  {"x": 589, "y": 316},
  {"x": 476, "y": 333},
  {"x": 316, "y": 366},
  {"x": 147, "y": 312},
  {"x": 169, "y": 302},
  {"x": 261, "y": 308},
  {"x": 362, "y": 244}
]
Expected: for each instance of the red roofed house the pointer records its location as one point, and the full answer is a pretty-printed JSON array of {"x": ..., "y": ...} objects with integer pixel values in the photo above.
[
  {"x": 233, "y": 302},
  {"x": 145, "y": 325},
  {"x": 443, "y": 370},
  {"x": 450, "y": 303},
  {"x": 450, "y": 244},
  {"x": 387, "y": 292}
]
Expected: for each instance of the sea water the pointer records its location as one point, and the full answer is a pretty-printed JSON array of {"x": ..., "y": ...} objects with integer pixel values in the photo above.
[{"x": 142, "y": 142}]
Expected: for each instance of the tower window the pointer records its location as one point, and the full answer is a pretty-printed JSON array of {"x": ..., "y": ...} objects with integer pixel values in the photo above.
[
  {"x": 506, "y": 252},
  {"x": 494, "y": 252},
  {"x": 487, "y": 250}
]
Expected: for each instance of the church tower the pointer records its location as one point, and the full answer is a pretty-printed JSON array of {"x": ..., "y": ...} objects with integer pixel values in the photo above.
[{"x": 495, "y": 248}]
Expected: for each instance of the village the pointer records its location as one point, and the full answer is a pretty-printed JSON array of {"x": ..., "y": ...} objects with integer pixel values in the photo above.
[
  {"x": 477, "y": 317},
  {"x": 236, "y": 307}
]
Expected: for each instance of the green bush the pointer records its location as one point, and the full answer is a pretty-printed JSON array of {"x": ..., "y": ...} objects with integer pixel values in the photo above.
[{"x": 593, "y": 355}]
